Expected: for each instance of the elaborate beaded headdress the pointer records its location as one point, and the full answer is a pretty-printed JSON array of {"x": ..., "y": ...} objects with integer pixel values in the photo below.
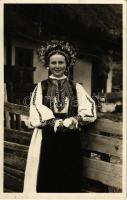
[{"x": 48, "y": 49}]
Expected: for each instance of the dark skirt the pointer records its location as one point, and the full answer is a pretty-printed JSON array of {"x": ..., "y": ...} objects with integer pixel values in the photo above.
[{"x": 60, "y": 162}]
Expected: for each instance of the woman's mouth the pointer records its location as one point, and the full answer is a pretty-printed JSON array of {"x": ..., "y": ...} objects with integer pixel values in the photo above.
[{"x": 57, "y": 71}]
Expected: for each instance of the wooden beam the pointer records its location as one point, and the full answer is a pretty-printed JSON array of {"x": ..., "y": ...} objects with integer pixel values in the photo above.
[
  {"x": 15, "y": 172},
  {"x": 14, "y": 161},
  {"x": 13, "y": 183},
  {"x": 17, "y": 109},
  {"x": 106, "y": 173},
  {"x": 102, "y": 144},
  {"x": 92, "y": 142},
  {"x": 16, "y": 149},
  {"x": 7, "y": 116},
  {"x": 17, "y": 136},
  {"x": 102, "y": 124},
  {"x": 107, "y": 126}
]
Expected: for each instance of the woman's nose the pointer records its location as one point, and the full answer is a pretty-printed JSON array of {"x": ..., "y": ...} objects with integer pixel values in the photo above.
[{"x": 57, "y": 64}]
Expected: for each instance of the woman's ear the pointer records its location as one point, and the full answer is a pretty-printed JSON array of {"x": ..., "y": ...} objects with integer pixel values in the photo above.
[{"x": 47, "y": 68}]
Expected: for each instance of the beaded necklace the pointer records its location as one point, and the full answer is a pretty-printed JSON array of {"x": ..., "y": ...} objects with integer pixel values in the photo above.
[{"x": 60, "y": 93}]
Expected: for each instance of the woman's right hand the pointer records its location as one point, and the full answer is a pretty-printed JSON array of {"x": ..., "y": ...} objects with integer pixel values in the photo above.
[
  {"x": 69, "y": 123},
  {"x": 58, "y": 125}
]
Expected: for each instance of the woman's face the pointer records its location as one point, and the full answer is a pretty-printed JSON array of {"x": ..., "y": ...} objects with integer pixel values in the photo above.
[{"x": 57, "y": 65}]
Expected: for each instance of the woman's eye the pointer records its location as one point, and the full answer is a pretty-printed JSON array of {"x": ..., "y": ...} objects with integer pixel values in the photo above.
[
  {"x": 53, "y": 63},
  {"x": 61, "y": 62}
]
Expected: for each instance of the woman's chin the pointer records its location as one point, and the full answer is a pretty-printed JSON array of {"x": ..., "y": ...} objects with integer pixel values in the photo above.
[{"x": 58, "y": 75}]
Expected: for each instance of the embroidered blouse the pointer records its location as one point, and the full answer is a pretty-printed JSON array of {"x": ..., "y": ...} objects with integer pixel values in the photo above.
[{"x": 40, "y": 113}]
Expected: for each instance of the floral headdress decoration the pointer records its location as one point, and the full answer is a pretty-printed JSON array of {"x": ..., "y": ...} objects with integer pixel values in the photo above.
[{"x": 48, "y": 49}]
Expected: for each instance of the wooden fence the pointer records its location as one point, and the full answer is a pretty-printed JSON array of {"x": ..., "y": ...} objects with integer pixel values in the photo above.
[{"x": 101, "y": 151}]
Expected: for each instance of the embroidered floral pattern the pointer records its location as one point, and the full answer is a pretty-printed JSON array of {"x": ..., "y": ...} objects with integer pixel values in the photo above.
[{"x": 54, "y": 46}]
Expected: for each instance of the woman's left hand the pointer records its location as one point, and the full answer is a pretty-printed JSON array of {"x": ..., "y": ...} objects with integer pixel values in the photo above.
[{"x": 70, "y": 123}]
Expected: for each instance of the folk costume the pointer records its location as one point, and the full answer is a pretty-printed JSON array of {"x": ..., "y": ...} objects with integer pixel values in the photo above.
[{"x": 54, "y": 161}]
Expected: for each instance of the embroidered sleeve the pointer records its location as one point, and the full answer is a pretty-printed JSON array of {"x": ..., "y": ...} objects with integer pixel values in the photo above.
[
  {"x": 86, "y": 105},
  {"x": 39, "y": 113}
]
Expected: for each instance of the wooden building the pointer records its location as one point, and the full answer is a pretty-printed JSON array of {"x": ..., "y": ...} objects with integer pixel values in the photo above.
[{"x": 99, "y": 47}]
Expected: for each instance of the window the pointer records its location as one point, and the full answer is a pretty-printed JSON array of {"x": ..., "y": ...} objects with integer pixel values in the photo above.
[
  {"x": 24, "y": 64},
  {"x": 24, "y": 57}
]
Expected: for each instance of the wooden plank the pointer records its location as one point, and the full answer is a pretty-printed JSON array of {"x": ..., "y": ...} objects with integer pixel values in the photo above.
[
  {"x": 102, "y": 144},
  {"x": 18, "y": 122},
  {"x": 92, "y": 142},
  {"x": 17, "y": 136},
  {"x": 16, "y": 149},
  {"x": 107, "y": 173},
  {"x": 13, "y": 183},
  {"x": 19, "y": 132},
  {"x": 10, "y": 90},
  {"x": 92, "y": 186},
  {"x": 102, "y": 125},
  {"x": 7, "y": 117},
  {"x": 14, "y": 161},
  {"x": 15, "y": 172},
  {"x": 107, "y": 126},
  {"x": 17, "y": 109},
  {"x": 12, "y": 120},
  {"x": 7, "y": 120},
  {"x": 112, "y": 116}
]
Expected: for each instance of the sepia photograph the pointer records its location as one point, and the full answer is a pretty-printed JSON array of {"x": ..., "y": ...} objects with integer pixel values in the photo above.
[{"x": 63, "y": 98}]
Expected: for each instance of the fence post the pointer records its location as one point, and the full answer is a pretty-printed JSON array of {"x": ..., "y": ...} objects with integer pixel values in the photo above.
[{"x": 7, "y": 116}]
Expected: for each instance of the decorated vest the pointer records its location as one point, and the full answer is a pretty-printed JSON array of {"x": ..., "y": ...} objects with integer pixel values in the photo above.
[{"x": 49, "y": 92}]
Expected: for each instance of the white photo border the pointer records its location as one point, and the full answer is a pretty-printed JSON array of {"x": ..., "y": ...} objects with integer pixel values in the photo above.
[{"x": 106, "y": 196}]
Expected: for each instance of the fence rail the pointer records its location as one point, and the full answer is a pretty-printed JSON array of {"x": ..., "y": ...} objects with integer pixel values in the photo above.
[{"x": 101, "y": 151}]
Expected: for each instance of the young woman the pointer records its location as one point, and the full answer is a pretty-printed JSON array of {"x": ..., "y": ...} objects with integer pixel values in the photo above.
[{"x": 58, "y": 109}]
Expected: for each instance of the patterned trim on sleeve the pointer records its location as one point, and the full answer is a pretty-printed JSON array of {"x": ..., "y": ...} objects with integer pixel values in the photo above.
[
  {"x": 34, "y": 98},
  {"x": 51, "y": 122},
  {"x": 92, "y": 109}
]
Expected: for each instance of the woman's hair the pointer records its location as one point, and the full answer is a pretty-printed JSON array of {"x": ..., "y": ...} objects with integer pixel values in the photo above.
[{"x": 48, "y": 49}]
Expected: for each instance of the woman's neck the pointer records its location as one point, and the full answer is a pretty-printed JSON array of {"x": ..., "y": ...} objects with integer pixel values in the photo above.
[{"x": 58, "y": 78}]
